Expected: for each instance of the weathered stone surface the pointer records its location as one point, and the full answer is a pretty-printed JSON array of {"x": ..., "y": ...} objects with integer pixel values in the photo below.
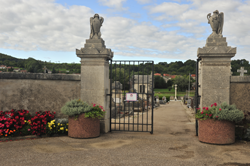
[
  {"x": 40, "y": 76},
  {"x": 240, "y": 93},
  {"x": 37, "y": 94}
]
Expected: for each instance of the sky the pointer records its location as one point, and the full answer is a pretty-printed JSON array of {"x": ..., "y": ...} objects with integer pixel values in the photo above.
[{"x": 162, "y": 31}]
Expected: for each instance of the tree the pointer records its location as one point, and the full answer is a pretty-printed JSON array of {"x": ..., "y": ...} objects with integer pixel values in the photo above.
[
  {"x": 159, "y": 82},
  {"x": 183, "y": 82}
]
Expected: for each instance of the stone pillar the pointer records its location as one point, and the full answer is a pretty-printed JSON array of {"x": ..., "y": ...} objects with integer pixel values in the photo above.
[
  {"x": 175, "y": 98},
  {"x": 215, "y": 71},
  {"x": 95, "y": 83}
]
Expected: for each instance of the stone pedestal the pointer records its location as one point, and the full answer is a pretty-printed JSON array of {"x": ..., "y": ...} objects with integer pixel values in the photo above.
[
  {"x": 215, "y": 71},
  {"x": 95, "y": 76}
]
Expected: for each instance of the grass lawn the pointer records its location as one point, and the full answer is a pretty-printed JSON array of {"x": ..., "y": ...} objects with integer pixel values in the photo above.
[{"x": 167, "y": 93}]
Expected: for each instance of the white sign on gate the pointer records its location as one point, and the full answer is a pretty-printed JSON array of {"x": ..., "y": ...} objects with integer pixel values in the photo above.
[{"x": 131, "y": 96}]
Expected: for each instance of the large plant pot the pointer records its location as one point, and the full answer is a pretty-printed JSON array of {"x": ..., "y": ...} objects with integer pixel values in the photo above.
[
  {"x": 83, "y": 127},
  {"x": 216, "y": 131}
]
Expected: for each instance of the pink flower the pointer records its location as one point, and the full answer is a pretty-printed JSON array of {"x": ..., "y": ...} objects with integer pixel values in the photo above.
[
  {"x": 28, "y": 129},
  {"x": 206, "y": 108},
  {"x": 220, "y": 109},
  {"x": 212, "y": 105},
  {"x": 210, "y": 115},
  {"x": 215, "y": 104},
  {"x": 206, "y": 114},
  {"x": 202, "y": 112},
  {"x": 103, "y": 110},
  {"x": 94, "y": 105},
  {"x": 203, "y": 107}
]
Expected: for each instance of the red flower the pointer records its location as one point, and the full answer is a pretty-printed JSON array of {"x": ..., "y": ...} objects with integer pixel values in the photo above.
[
  {"x": 215, "y": 104},
  {"x": 198, "y": 108},
  {"x": 203, "y": 107},
  {"x": 210, "y": 115},
  {"x": 212, "y": 105},
  {"x": 202, "y": 112},
  {"x": 206, "y": 114},
  {"x": 220, "y": 109},
  {"x": 217, "y": 117},
  {"x": 206, "y": 108}
]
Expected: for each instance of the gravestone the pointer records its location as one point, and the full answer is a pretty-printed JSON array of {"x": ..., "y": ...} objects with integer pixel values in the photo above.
[
  {"x": 95, "y": 82},
  {"x": 157, "y": 101},
  {"x": 242, "y": 71},
  {"x": 215, "y": 64}
]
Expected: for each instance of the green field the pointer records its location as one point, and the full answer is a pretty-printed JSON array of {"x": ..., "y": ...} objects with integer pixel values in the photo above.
[{"x": 167, "y": 93}]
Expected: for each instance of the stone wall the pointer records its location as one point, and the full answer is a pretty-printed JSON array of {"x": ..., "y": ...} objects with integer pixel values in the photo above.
[
  {"x": 38, "y": 92},
  {"x": 240, "y": 92}
]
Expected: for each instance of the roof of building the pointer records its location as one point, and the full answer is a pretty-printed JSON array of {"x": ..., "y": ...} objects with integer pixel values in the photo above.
[
  {"x": 173, "y": 76},
  {"x": 157, "y": 74},
  {"x": 166, "y": 74},
  {"x": 193, "y": 75}
]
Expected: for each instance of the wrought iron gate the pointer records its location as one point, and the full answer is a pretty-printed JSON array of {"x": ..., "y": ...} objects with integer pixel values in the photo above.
[
  {"x": 197, "y": 96},
  {"x": 131, "y": 95}
]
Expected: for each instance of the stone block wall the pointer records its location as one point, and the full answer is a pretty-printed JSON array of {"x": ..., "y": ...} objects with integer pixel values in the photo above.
[
  {"x": 38, "y": 92},
  {"x": 240, "y": 92}
]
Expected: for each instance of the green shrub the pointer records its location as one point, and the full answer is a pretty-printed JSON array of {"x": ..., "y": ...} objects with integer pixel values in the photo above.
[
  {"x": 75, "y": 107},
  {"x": 221, "y": 112}
]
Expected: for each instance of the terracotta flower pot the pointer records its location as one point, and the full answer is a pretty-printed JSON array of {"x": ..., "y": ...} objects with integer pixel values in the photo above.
[
  {"x": 216, "y": 131},
  {"x": 83, "y": 127}
]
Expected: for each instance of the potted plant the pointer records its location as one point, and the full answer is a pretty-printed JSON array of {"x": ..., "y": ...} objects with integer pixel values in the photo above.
[
  {"x": 217, "y": 123},
  {"x": 84, "y": 119}
]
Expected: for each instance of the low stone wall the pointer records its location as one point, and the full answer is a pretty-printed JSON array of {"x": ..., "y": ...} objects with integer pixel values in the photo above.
[
  {"x": 38, "y": 92},
  {"x": 240, "y": 92}
]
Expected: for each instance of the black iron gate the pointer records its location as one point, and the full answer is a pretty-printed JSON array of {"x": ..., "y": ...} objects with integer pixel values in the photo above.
[
  {"x": 131, "y": 95},
  {"x": 197, "y": 96}
]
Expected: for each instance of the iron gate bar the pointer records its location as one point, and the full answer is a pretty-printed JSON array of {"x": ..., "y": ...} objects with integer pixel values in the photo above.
[
  {"x": 197, "y": 94},
  {"x": 141, "y": 93}
]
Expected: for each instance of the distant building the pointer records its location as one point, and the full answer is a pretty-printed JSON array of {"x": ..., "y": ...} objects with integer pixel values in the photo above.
[
  {"x": 47, "y": 70},
  {"x": 23, "y": 71},
  {"x": 16, "y": 70},
  {"x": 193, "y": 76},
  {"x": 2, "y": 67},
  {"x": 157, "y": 74}
]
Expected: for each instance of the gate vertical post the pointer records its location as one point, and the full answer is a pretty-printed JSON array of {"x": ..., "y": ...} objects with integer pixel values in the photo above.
[
  {"x": 95, "y": 82},
  {"x": 215, "y": 71}
]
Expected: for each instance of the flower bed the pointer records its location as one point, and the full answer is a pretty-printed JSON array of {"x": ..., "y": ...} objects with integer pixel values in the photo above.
[{"x": 20, "y": 123}]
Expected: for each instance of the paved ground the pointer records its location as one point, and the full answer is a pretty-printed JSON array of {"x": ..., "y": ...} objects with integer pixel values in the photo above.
[{"x": 173, "y": 143}]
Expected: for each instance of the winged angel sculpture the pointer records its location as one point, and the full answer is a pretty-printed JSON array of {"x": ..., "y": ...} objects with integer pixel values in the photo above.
[
  {"x": 216, "y": 21},
  {"x": 95, "y": 26}
]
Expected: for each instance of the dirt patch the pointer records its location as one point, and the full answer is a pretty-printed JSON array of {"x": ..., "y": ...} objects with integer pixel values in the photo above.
[
  {"x": 54, "y": 148},
  {"x": 187, "y": 155},
  {"x": 179, "y": 148},
  {"x": 234, "y": 164},
  {"x": 111, "y": 144}
]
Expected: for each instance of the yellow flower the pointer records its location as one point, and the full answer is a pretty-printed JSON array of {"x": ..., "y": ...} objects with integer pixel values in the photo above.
[
  {"x": 50, "y": 128},
  {"x": 25, "y": 121},
  {"x": 62, "y": 128},
  {"x": 67, "y": 124},
  {"x": 61, "y": 124},
  {"x": 66, "y": 129},
  {"x": 58, "y": 124},
  {"x": 54, "y": 126}
]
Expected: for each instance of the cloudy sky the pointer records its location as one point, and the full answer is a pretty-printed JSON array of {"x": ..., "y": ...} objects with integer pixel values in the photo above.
[{"x": 163, "y": 31}]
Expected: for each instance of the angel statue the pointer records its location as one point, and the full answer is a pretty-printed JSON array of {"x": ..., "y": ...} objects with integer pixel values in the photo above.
[
  {"x": 95, "y": 26},
  {"x": 216, "y": 21}
]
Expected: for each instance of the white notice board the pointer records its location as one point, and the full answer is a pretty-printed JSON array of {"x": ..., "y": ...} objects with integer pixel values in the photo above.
[{"x": 131, "y": 96}]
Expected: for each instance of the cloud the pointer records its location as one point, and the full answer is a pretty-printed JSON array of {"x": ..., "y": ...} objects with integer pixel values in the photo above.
[
  {"x": 45, "y": 25},
  {"x": 143, "y": 1},
  {"x": 117, "y": 5}
]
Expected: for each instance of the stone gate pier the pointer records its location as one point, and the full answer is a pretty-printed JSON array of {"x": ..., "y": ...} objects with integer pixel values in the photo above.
[
  {"x": 215, "y": 65},
  {"x": 95, "y": 70}
]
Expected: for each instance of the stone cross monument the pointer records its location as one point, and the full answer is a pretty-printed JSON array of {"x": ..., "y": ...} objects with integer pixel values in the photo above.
[
  {"x": 215, "y": 64},
  {"x": 95, "y": 70},
  {"x": 175, "y": 92},
  {"x": 242, "y": 71}
]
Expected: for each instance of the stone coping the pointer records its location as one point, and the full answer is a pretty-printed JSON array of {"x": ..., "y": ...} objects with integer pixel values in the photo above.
[
  {"x": 40, "y": 76},
  {"x": 240, "y": 79},
  {"x": 27, "y": 137}
]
